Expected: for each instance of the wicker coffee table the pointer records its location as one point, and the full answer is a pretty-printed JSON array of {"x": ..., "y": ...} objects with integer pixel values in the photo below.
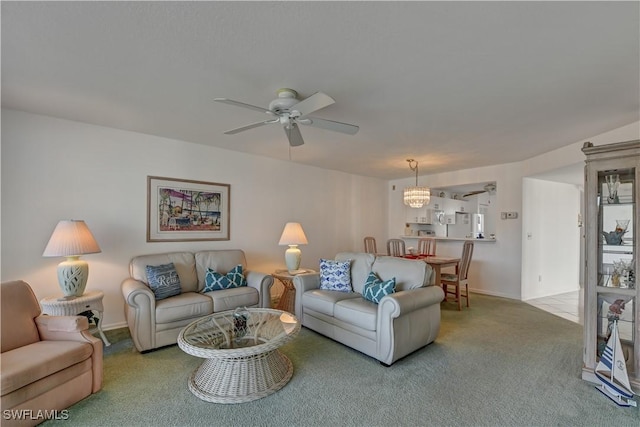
[{"x": 242, "y": 362}]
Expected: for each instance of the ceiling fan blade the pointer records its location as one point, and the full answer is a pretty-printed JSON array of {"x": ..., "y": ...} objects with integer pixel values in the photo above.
[
  {"x": 473, "y": 193},
  {"x": 313, "y": 103},
  {"x": 247, "y": 127},
  {"x": 294, "y": 135},
  {"x": 243, "y": 105},
  {"x": 331, "y": 125}
]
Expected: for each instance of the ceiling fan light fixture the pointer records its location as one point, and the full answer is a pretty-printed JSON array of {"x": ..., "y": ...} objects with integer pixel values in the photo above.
[
  {"x": 286, "y": 99},
  {"x": 415, "y": 195}
]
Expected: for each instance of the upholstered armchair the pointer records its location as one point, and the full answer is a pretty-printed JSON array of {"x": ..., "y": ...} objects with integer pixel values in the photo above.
[{"x": 48, "y": 362}]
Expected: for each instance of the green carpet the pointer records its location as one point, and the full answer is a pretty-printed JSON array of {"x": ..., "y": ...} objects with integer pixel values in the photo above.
[{"x": 498, "y": 363}]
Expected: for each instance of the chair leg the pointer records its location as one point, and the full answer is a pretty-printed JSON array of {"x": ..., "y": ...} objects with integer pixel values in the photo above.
[
  {"x": 467, "y": 288},
  {"x": 458, "y": 297}
]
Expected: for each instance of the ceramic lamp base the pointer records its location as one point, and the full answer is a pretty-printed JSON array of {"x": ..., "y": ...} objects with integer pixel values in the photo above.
[
  {"x": 292, "y": 258},
  {"x": 72, "y": 276}
]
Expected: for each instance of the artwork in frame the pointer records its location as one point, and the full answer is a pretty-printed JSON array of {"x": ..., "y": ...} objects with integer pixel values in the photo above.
[{"x": 180, "y": 210}]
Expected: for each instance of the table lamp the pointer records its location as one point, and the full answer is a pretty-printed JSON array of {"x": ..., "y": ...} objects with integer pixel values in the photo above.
[
  {"x": 292, "y": 235},
  {"x": 72, "y": 238}
]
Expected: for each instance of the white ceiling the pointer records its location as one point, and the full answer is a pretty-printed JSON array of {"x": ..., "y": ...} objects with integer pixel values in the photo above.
[{"x": 452, "y": 84}]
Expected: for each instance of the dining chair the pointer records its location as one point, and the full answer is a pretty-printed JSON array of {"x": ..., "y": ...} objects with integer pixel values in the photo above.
[
  {"x": 460, "y": 278},
  {"x": 370, "y": 245},
  {"x": 427, "y": 246},
  {"x": 396, "y": 247}
]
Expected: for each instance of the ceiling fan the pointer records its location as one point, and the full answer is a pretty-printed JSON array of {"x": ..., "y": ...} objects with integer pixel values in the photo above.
[
  {"x": 289, "y": 111},
  {"x": 488, "y": 188}
]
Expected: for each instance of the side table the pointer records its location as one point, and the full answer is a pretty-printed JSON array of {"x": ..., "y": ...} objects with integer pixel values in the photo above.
[
  {"x": 288, "y": 298},
  {"x": 90, "y": 301}
]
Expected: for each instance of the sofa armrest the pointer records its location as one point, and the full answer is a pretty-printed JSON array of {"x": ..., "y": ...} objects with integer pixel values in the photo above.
[
  {"x": 140, "y": 312},
  {"x": 262, "y": 282},
  {"x": 73, "y": 328},
  {"x": 48, "y": 324},
  {"x": 401, "y": 303},
  {"x": 407, "y": 320},
  {"x": 303, "y": 283}
]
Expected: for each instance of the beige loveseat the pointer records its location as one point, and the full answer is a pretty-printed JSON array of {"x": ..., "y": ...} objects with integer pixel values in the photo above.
[
  {"x": 401, "y": 323},
  {"x": 48, "y": 363},
  {"x": 157, "y": 323}
]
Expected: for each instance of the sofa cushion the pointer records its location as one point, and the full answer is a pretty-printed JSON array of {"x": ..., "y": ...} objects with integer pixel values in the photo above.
[
  {"x": 360, "y": 267},
  {"x": 188, "y": 305},
  {"x": 33, "y": 362},
  {"x": 215, "y": 281},
  {"x": 409, "y": 274},
  {"x": 183, "y": 261},
  {"x": 163, "y": 280},
  {"x": 229, "y": 299},
  {"x": 358, "y": 312},
  {"x": 324, "y": 301},
  {"x": 375, "y": 289},
  {"x": 335, "y": 275}
]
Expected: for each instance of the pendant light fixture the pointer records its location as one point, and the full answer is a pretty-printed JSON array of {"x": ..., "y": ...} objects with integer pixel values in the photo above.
[{"x": 416, "y": 196}]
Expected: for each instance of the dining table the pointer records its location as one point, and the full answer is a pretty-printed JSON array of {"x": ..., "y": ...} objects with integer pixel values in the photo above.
[{"x": 437, "y": 263}]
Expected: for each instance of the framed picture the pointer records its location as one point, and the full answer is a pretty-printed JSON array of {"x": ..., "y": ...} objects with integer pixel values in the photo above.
[{"x": 180, "y": 210}]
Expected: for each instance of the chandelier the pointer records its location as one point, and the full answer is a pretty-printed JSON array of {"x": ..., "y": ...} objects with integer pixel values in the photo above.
[{"x": 416, "y": 196}]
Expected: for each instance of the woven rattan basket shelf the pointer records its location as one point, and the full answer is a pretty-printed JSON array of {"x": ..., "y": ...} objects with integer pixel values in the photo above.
[{"x": 241, "y": 364}]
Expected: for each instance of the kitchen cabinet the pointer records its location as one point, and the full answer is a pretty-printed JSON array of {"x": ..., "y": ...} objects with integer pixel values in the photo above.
[
  {"x": 611, "y": 293},
  {"x": 423, "y": 215},
  {"x": 451, "y": 206}
]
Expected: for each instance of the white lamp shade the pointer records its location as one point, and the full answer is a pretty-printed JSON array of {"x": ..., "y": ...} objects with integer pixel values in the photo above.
[
  {"x": 71, "y": 239},
  {"x": 293, "y": 235}
]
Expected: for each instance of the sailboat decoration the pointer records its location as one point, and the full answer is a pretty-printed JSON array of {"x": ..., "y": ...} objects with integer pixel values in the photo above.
[{"x": 612, "y": 372}]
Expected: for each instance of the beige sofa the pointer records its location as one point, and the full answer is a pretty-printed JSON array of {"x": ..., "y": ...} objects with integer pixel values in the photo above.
[
  {"x": 401, "y": 323},
  {"x": 48, "y": 362},
  {"x": 157, "y": 323}
]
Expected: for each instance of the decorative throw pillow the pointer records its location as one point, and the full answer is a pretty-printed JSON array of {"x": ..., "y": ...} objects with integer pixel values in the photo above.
[
  {"x": 335, "y": 275},
  {"x": 214, "y": 281},
  {"x": 374, "y": 288},
  {"x": 163, "y": 280}
]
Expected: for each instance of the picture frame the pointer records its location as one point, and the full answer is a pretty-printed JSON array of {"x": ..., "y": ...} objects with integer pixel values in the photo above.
[{"x": 183, "y": 210}]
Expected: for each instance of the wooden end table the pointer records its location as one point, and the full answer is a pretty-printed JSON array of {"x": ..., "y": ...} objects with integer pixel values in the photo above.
[
  {"x": 288, "y": 297},
  {"x": 90, "y": 301}
]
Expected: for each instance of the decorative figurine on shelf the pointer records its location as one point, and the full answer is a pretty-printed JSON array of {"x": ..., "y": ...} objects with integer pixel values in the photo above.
[
  {"x": 621, "y": 273},
  {"x": 613, "y": 315},
  {"x": 615, "y": 237},
  {"x": 613, "y": 182},
  {"x": 632, "y": 278}
]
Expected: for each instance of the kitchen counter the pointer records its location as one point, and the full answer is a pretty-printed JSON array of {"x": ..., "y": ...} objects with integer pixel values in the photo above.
[{"x": 460, "y": 239}]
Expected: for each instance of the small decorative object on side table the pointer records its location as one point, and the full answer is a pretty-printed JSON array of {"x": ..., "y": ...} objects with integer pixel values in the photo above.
[
  {"x": 288, "y": 297},
  {"x": 85, "y": 305}
]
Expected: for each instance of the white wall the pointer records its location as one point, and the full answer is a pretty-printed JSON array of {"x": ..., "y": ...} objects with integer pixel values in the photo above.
[
  {"x": 551, "y": 238},
  {"x": 55, "y": 169}
]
